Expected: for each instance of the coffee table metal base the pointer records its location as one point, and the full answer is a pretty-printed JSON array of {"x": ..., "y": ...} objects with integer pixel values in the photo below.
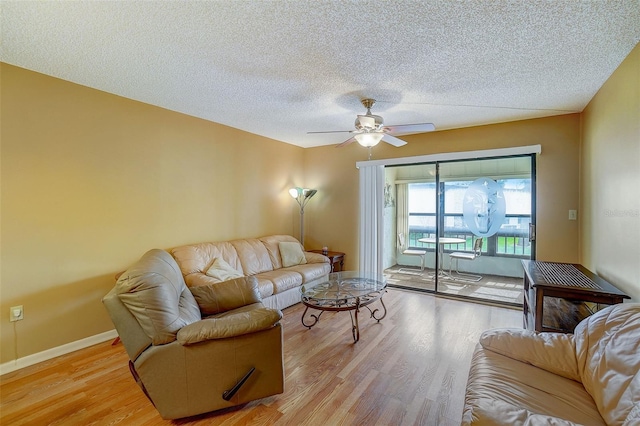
[{"x": 353, "y": 307}]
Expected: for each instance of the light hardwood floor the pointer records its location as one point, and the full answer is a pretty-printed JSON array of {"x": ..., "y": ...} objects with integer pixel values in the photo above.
[{"x": 409, "y": 369}]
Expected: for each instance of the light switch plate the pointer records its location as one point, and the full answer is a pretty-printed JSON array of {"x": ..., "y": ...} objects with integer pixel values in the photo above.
[{"x": 573, "y": 214}]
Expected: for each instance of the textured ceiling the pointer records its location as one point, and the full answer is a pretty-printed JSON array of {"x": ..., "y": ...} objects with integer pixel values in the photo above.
[{"x": 283, "y": 68}]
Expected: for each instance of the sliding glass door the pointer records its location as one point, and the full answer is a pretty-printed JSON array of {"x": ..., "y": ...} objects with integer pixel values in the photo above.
[
  {"x": 471, "y": 219},
  {"x": 409, "y": 219}
]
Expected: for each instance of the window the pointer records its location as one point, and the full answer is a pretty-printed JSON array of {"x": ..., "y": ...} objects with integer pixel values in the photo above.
[
  {"x": 422, "y": 212},
  {"x": 511, "y": 239}
]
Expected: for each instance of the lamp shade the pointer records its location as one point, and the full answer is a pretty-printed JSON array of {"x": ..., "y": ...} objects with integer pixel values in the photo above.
[
  {"x": 302, "y": 195},
  {"x": 308, "y": 193},
  {"x": 369, "y": 139}
]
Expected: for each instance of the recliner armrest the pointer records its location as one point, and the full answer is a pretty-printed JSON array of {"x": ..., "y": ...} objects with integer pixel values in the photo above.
[
  {"x": 554, "y": 352},
  {"x": 230, "y": 324}
]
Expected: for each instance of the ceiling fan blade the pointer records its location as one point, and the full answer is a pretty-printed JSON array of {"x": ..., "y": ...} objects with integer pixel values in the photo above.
[
  {"x": 409, "y": 129},
  {"x": 393, "y": 140},
  {"x": 332, "y": 131},
  {"x": 347, "y": 142}
]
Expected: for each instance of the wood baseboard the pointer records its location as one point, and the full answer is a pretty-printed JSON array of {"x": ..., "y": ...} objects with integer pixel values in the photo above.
[{"x": 29, "y": 360}]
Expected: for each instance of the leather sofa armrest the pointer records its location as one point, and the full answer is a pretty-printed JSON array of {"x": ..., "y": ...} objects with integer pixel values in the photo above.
[
  {"x": 230, "y": 324},
  {"x": 554, "y": 352},
  {"x": 315, "y": 257}
]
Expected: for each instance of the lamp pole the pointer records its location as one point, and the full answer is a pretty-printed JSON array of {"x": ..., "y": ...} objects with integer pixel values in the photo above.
[
  {"x": 302, "y": 196},
  {"x": 302, "y": 225}
]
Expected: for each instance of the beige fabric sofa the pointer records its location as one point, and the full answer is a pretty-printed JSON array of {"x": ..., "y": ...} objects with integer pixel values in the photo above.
[
  {"x": 190, "y": 354},
  {"x": 279, "y": 285},
  {"x": 591, "y": 377}
]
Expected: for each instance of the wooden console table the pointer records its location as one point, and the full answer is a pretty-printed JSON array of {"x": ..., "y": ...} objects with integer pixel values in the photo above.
[
  {"x": 557, "y": 296},
  {"x": 335, "y": 257}
]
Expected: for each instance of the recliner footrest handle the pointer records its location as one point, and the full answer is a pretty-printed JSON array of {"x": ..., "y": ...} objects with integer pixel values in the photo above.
[{"x": 228, "y": 394}]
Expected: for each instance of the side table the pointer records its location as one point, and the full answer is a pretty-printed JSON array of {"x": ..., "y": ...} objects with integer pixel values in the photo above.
[
  {"x": 557, "y": 295},
  {"x": 335, "y": 257}
]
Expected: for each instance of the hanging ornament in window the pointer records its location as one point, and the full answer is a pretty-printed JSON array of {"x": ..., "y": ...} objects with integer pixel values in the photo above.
[{"x": 484, "y": 207}]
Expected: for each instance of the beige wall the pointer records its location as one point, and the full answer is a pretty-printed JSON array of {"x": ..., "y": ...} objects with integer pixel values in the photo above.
[
  {"x": 90, "y": 181},
  {"x": 610, "y": 179},
  {"x": 333, "y": 220}
]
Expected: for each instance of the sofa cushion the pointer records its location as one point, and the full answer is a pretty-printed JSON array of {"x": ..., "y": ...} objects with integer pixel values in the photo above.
[
  {"x": 504, "y": 391},
  {"x": 154, "y": 291},
  {"x": 222, "y": 271},
  {"x": 291, "y": 253},
  {"x": 253, "y": 256},
  {"x": 608, "y": 355},
  {"x": 281, "y": 279},
  {"x": 272, "y": 244},
  {"x": 225, "y": 296},
  {"x": 197, "y": 258},
  {"x": 311, "y": 271}
]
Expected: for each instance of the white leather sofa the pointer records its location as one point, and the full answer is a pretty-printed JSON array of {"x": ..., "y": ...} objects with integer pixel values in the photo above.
[
  {"x": 591, "y": 377},
  {"x": 278, "y": 262}
]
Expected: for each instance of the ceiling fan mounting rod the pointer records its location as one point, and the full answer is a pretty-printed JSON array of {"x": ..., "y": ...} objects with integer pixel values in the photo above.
[{"x": 368, "y": 103}]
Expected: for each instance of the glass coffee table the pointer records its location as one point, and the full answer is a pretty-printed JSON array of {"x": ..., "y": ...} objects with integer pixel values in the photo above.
[{"x": 344, "y": 291}]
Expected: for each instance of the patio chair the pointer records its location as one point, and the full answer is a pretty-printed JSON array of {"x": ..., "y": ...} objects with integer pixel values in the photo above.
[
  {"x": 456, "y": 256},
  {"x": 410, "y": 252}
]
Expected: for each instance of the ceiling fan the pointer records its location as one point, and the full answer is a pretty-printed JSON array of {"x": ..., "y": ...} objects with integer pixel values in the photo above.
[{"x": 370, "y": 129}]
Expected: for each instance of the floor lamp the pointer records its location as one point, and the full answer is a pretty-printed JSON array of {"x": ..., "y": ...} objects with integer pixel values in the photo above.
[{"x": 302, "y": 196}]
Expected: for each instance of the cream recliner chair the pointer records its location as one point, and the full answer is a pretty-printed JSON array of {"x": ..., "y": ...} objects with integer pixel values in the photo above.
[{"x": 199, "y": 350}]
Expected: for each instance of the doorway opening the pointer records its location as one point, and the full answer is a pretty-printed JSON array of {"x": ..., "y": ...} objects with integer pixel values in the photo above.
[{"x": 460, "y": 227}]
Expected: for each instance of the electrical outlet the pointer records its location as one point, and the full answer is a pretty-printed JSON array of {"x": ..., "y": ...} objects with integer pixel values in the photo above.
[
  {"x": 573, "y": 214},
  {"x": 16, "y": 313}
]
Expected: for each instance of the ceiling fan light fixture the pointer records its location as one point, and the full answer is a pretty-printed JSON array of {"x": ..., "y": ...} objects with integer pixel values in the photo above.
[{"x": 369, "y": 139}]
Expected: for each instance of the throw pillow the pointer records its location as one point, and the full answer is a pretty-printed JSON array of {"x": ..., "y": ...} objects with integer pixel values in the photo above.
[
  {"x": 222, "y": 271},
  {"x": 291, "y": 253}
]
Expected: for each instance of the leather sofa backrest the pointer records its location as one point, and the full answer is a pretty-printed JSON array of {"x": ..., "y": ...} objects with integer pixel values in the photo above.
[
  {"x": 198, "y": 258},
  {"x": 253, "y": 255},
  {"x": 155, "y": 293},
  {"x": 271, "y": 244},
  {"x": 249, "y": 256},
  {"x": 608, "y": 356}
]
